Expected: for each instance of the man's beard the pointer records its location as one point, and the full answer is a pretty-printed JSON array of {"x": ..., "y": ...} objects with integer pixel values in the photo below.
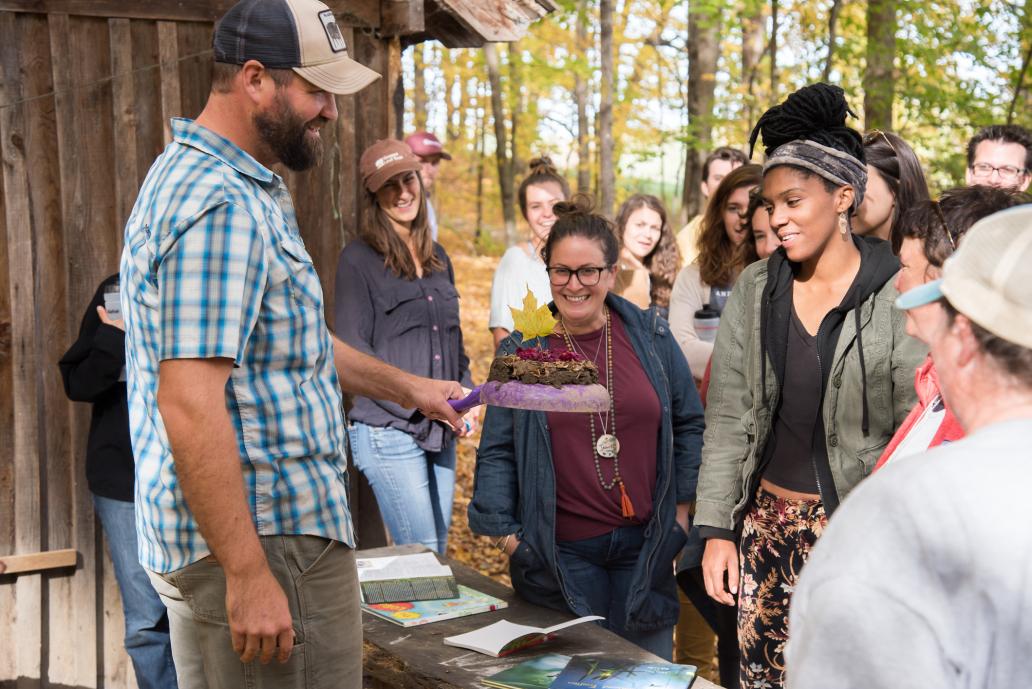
[{"x": 287, "y": 136}]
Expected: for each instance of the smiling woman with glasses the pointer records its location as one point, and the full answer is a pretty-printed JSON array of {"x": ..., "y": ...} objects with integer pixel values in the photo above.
[{"x": 618, "y": 484}]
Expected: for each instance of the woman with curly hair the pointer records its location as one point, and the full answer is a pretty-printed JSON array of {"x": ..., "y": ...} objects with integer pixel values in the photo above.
[
  {"x": 707, "y": 282},
  {"x": 649, "y": 258},
  {"x": 813, "y": 374}
]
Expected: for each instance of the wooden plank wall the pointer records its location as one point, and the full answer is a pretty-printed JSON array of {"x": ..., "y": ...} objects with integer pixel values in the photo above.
[{"x": 84, "y": 103}]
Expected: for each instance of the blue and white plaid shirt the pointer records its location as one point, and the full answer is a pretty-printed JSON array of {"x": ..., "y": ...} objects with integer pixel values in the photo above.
[{"x": 214, "y": 266}]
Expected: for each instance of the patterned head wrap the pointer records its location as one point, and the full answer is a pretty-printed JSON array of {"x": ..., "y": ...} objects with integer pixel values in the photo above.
[{"x": 838, "y": 167}]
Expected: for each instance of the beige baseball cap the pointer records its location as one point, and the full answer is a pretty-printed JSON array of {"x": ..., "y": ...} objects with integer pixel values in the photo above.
[
  {"x": 989, "y": 278},
  {"x": 301, "y": 35}
]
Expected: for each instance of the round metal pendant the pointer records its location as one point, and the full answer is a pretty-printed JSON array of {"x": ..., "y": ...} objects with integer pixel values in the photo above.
[{"x": 607, "y": 446}]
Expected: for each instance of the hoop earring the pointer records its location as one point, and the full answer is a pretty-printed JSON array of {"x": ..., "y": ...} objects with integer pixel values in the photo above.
[{"x": 843, "y": 223}]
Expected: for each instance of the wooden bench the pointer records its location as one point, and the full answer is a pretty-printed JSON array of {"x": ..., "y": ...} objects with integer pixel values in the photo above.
[{"x": 416, "y": 657}]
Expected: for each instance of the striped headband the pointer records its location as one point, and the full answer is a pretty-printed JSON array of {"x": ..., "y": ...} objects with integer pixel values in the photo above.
[{"x": 830, "y": 163}]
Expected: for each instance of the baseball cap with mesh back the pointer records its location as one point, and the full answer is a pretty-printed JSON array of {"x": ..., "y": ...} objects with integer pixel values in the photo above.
[
  {"x": 988, "y": 278},
  {"x": 426, "y": 144},
  {"x": 301, "y": 35}
]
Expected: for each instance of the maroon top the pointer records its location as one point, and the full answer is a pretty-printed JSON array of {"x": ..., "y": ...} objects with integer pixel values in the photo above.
[{"x": 583, "y": 508}]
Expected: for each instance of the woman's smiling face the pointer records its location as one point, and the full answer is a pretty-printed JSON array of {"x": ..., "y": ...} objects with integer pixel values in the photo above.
[
  {"x": 399, "y": 197},
  {"x": 581, "y": 306},
  {"x": 540, "y": 200},
  {"x": 803, "y": 213}
]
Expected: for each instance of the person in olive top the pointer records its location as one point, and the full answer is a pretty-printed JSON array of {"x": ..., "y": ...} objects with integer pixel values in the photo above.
[
  {"x": 812, "y": 374},
  {"x": 93, "y": 370}
]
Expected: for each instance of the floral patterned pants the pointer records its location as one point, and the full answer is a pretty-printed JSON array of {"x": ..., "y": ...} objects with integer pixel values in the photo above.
[{"x": 777, "y": 536}]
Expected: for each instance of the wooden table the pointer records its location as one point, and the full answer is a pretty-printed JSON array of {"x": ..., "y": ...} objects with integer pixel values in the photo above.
[{"x": 416, "y": 657}]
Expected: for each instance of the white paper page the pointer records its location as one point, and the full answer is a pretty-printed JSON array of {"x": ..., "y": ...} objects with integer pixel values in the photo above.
[
  {"x": 401, "y": 567},
  {"x": 563, "y": 625}
]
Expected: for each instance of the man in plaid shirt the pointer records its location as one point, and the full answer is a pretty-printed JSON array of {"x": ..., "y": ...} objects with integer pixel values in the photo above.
[{"x": 234, "y": 380}]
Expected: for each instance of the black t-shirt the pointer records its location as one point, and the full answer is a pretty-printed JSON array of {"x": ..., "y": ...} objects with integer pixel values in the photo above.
[
  {"x": 789, "y": 463},
  {"x": 91, "y": 370}
]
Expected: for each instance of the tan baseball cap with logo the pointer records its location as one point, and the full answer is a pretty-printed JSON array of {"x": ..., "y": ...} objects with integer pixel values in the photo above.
[
  {"x": 383, "y": 160},
  {"x": 301, "y": 35}
]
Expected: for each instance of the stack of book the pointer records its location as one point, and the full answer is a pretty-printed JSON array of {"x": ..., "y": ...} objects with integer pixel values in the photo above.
[{"x": 410, "y": 590}]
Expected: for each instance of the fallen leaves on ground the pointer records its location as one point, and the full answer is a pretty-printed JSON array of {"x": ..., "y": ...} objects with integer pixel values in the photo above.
[{"x": 473, "y": 276}]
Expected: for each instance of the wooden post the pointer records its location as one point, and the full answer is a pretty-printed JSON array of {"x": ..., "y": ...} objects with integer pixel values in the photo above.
[
  {"x": 168, "y": 53},
  {"x": 28, "y": 590}
]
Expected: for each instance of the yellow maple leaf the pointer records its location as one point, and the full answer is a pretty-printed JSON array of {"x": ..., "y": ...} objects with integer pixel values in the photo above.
[{"x": 533, "y": 321}]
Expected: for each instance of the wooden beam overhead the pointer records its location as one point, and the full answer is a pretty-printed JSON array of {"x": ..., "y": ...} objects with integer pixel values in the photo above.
[
  {"x": 402, "y": 17},
  {"x": 358, "y": 13},
  {"x": 494, "y": 21}
]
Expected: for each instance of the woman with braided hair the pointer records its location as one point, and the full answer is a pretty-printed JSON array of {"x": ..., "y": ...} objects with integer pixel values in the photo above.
[{"x": 811, "y": 376}]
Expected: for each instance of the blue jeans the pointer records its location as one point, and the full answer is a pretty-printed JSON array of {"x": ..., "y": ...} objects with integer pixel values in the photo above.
[
  {"x": 146, "y": 620},
  {"x": 414, "y": 488},
  {"x": 601, "y": 569}
]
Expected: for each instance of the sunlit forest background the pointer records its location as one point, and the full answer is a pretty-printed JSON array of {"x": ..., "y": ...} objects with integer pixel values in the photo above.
[{"x": 690, "y": 75}]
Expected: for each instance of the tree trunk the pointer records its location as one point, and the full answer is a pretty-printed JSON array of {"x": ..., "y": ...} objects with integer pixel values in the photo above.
[
  {"x": 481, "y": 136},
  {"x": 419, "y": 88},
  {"x": 773, "y": 52},
  {"x": 879, "y": 78},
  {"x": 517, "y": 106},
  {"x": 607, "y": 174},
  {"x": 580, "y": 90},
  {"x": 753, "y": 34},
  {"x": 505, "y": 171},
  {"x": 836, "y": 8},
  {"x": 1021, "y": 86},
  {"x": 453, "y": 114},
  {"x": 703, "y": 53}
]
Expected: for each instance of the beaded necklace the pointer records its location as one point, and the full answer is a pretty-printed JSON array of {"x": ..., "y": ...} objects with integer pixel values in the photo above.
[{"x": 607, "y": 445}]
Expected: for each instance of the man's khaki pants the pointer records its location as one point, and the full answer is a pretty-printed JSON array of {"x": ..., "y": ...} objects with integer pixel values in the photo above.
[{"x": 319, "y": 578}]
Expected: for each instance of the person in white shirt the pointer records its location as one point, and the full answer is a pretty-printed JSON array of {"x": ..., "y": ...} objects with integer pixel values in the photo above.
[{"x": 521, "y": 268}]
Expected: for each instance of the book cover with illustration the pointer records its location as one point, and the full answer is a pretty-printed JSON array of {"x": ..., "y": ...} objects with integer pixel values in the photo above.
[
  {"x": 536, "y": 673},
  {"x": 413, "y": 613},
  {"x": 593, "y": 672}
]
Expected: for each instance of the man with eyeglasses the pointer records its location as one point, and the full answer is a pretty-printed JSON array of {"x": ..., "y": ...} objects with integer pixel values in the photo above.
[{"x": 1000, "y": 156}]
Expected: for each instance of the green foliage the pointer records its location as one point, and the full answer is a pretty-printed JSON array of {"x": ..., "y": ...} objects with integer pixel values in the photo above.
[{"x": 958, "y": 63}]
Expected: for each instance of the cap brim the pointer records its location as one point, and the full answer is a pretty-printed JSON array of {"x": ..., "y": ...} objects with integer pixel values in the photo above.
[
  {"x": 376, "y": 180},
  {"x": 342, "y": 77},
  {"x": 920, "y": 295}
]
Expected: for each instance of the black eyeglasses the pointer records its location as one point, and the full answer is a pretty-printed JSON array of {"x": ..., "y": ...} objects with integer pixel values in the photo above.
[
  {"x": 945, "y": 228},
  {"x": 1007, "y": 173},
  {"x": 588, "y": 276}
]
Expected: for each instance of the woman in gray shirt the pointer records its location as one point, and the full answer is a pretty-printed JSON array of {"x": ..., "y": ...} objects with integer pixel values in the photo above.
[{"x": 396, "y": 300}]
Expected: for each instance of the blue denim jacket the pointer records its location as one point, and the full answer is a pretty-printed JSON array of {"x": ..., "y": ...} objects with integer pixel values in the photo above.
[{"x": 514, "y": 487}]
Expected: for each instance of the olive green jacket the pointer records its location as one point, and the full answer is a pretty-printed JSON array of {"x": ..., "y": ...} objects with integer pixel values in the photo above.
[{"x": 738, "y": 422}]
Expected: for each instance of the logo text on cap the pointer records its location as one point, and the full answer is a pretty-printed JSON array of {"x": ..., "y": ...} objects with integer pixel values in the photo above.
[
  {"x": 333, "y": 33},
  {"x": 389, "y": 158}
]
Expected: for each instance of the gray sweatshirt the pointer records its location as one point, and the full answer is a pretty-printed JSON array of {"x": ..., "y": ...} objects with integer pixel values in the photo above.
[{"x": 924, "y": 575}]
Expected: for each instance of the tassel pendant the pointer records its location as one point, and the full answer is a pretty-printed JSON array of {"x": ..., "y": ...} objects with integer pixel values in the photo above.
[{"x": 626, "y": 507}]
